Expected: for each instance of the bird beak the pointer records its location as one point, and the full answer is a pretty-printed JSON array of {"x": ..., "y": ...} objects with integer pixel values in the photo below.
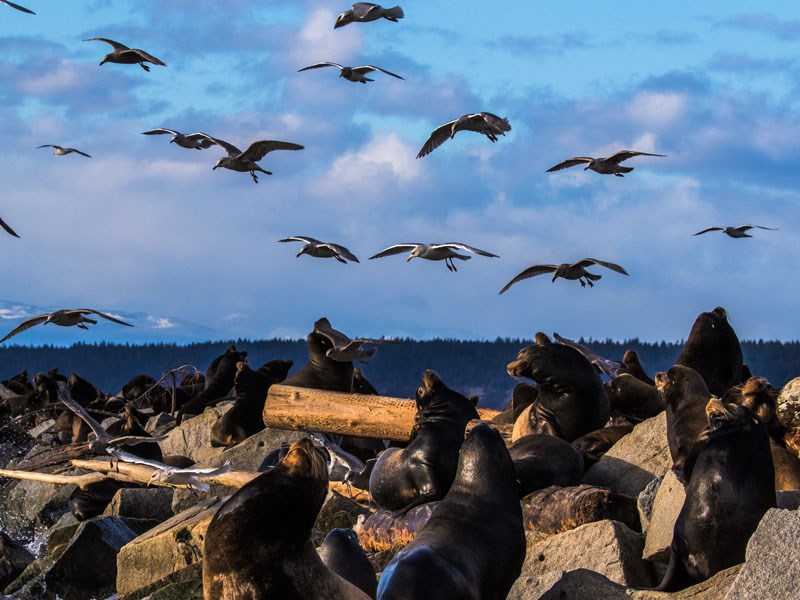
[
  {"x": 214, "y": 168},
  {"x": 586, "y": 167},
  {"x": 409, "y": 258}
]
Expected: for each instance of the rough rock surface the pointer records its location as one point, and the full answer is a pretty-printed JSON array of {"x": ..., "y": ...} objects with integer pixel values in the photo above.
[
  {"x": 142, "y": 503},
  {"x": 645, "y": 500},
  {"x": 192, "y": 438},
  {"x": 668, "y": 504},
  {"x": 635, "y": 460},
  {"x": 14, "y": 558},
  {"x": 788, "y": 404},
  {"x": 33, "y": 506}
]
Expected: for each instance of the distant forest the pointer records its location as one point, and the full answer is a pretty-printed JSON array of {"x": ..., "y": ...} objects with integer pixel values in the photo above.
[{"x": 471, "y": 367}]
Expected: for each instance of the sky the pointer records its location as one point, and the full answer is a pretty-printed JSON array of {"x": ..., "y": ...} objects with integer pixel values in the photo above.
[{"x": 147, "y": 227}]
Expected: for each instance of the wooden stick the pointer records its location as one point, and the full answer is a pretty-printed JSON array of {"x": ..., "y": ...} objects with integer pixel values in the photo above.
[
  {"x": 79, "y": 480},
  {"x": 143, "y": 473}
]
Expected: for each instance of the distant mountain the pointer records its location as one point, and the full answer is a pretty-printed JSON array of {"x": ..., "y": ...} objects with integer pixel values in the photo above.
[{"x": 146, "y": 328}]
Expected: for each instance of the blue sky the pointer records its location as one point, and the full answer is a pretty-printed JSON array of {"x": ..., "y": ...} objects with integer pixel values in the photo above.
[{"x": 147, "y": 227}]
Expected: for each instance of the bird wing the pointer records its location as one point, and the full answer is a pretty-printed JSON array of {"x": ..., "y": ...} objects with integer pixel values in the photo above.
[
  {"x": 320, "y": 64},
  {"x": 197, "y": 137},
  {"x": 588, "y": 262},
  {"x": 746, "y": 227},
  {"x": 367, "y": 68},
  {"x": 439, "y": 136},
  {"x": 5, "y": 226},
  {"x": 258, "y": 150},
  {"x": 162, "y": 130},
  {"x": 611, "y": 368},
  {"x": 86, "y": 311},
  {"x": 17, "y": 6},
  {"x": 97, "y": 429},
  {"x": 133, "y": 440},
  {"x": 25, "y": 325},
  {"x": 79, "y": 152},
  {"x": 626, "y": 154},
  {"x": 570, "y": 162},
  {"x": 342, "y": 251},
  {"x": 49, "y": 146},
  {"x": 362, "y": 9},
  {"x": 227, "y": 146},
  {"x": 201, "y": 472},
  {"x": 396, "y": 249},
  {"x": 528, "y": 273},
  {"x": 465, "y": 247},
  {"x": 300, "y": 238},
  {"x": 337, "y": 338},
  {"x": 374, "y": 341},
  {"x": 707, "y": 229},
  {"x": 127, "y": 457},
  {"x": 148, "y": 57},
  {"x": 115, "y": 45}
]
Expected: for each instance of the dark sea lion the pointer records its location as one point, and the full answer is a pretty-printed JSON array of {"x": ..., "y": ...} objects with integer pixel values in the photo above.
[
  {"x": 251, "y": 387},
  {"x": 361, "y": 385},
  {"x": 321, "y": 372},
  {"x": 424, "y": 470},
  {"x": 522, "y": 396},
  {"x": 473, "y": 545},
  {"x": 258, "y": 545},
  {"x": 145, "y": 392},
  {"x": 19, "y": 383},
  {"x": 571, "y": 401},
  {"x": 713, "y": 350},
  {"x": 342, "y": 553},
  {"x": 83, "y": 392},
  {"x": 633, "y": 398},
  {"x": 193, "y": 384},
  {"x": 542, "y": 460},
  {"x": 633, "y": 366},
  {"x": 732, "y": 486},
  {"x": 218, "y": 385},
  {"x": 594, "y": 445}
]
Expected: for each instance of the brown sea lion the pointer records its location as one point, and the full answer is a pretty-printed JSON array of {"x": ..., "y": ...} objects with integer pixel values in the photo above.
[
  {"x": 342, "y": 553},
  {"x": 218, "y": 385},
  {"x": 321, "y": 372},
  {"x": 594, "y": 445},
  {"x": 258, "y": 545},
  {"x": 522, "y": 396},
  {"x": 473, "y": 545},
  {"x": 634, "y": 399},
  {"x": 542, "y": 460}
]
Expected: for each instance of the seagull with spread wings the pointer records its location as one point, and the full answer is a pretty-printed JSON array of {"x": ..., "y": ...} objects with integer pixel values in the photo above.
[
  {"x": 354, "y": 74},
  {"x": 173, "y": 476},
  {"x": 127, "y": 56},
  {"x": 192, "y": 141},
  {"x": 446, "y": 252},
  {"x": 344, "y": 349},
  {"x": 735, "y": 232},
  {"x": 247, "y": 161},
  {"x": 567, "y": 271},
  {"x": 605, "y": 166},
  {"x": 61, "y": 150},
  {"x": 364, "y": 12},
  {"x": 482, "y": 122},
  {"x": 6, "y": 226},
  {"x": 319, "y": 249},
  {"x": 17, "y": 6},
  {"x": 65, "y": 318}
]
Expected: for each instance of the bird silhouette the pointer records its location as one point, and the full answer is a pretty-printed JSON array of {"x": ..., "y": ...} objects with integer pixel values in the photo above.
[
  {"x": 483, "y": 122},
  {"x": 605, "y": 166},
  {"x": 567, "y": 271}
]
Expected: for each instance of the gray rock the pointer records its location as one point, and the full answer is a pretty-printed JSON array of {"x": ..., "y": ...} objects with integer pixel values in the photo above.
[
  {"x": 14, "y": 558},
  {"x": 31, "y": 507},
  {"x": 645, "y": 501},
  {"x": 788, "y": 404},
  {"x": 668, "y": 504},
  {"x": 772, "y": 562},
  {"x": 159, "y": 422},
  {"x": 142, "y": 503},
  {"x": 192, "y": 438},
  {"x": 635, "y": 460}
]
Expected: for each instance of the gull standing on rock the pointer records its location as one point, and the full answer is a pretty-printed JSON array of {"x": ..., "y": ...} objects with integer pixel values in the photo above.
[
  {"x": 483, "y": 122},
  {"x": 363, "y": 12},
  {"x": 735, "y": 232},
  {"x": 567, "y": 271},
  {"x": 246, "y": 161},
  {"x": 605, "y": 166},
  {"x": 127, "y": 56},
  {"x": 192, "y": 141},
  {"x": 17, "y": 6},
  {"x": 65, "y": 318},
  {"x": 354, "y": 74},
  {"x": 6, "y": 226},
  {"x": 319, "y": 249},
  {"x": 61, "y": 151},
  {"x": 446, "y": 252}
]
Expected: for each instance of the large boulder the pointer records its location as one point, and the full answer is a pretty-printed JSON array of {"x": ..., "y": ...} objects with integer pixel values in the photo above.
[
  {"x": 142, "y": 503},
  {"x": 14, "y": 558},
  {"x": 31, "y": 507},
  {"x": 193, "y": 437}
]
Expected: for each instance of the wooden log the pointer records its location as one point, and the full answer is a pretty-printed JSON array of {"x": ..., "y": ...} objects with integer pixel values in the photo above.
[
  {"x": 383, "y": 531},
  {"x": 79, "y": 480},
  {"x": 361, "y": 415},
  {"x": 143, "y": 473}
]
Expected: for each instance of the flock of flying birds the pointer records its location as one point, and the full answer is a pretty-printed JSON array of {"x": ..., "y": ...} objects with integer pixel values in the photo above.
[{"x": 484, "y": 123}]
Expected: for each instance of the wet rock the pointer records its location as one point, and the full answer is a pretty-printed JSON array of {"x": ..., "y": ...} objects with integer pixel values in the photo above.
[
  {"x": 31, "y": 507},
  {"x": 14, "y": 558}
]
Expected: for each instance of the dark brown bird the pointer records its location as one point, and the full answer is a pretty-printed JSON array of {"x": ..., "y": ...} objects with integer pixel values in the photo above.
[
  {"x": 735, "y": 232},
  {"x": 127, "y": 56},
  {"x": 247, "y": 160},
  {"x": 567, "y": 271},
  {"x": 17, "y": 6},
  {"x": 605, "y": 166},
  {"x": 483, "y": 122},
  {"x": 5, "y": 226},
  {"x": 65, "y": 318}
]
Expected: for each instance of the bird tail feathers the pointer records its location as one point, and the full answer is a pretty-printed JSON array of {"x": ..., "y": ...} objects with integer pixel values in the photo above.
[{"x": 394, "y": 13}]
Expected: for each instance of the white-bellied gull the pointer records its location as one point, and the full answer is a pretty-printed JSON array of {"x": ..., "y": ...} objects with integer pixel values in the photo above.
[
  {"x": 363, "y": 12},
  {"x": 446, "y": 252},
  {"x": 319, "y": 249},
  {"x": 192, "y": 141},
  {"x": 345, "y": 349},
  {"x": 246, "y": 161},
  {"x": 482, "y": 122},
  {"x": 127, "y": 56},
  {"x": 17, "y": 6},
  {"x": 61, "y": 150},
  {"x": 735, "y": 232},
  {"x": 7, "y": 227}
]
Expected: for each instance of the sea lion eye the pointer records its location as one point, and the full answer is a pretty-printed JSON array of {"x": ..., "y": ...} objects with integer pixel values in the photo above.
[{"x": 420, "y": 391}]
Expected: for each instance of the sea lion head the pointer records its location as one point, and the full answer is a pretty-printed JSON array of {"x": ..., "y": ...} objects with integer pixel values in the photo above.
[
  {"x": 437, "y": 401},
  {"x": 305, "y": 459},
  {"x": 723, "y": 416}
]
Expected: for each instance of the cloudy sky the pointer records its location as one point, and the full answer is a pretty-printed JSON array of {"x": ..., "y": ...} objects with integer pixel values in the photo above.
[{"x": 147, "y": 227}]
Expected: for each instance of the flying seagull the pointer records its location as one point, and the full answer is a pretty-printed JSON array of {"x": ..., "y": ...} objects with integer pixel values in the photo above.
[
  {"x": 127, "y": 56},
  {"x": 61, "y": 151},
  {"x": 344, "y": 349},
  {"x": 65, "y": 318},
  {"x": 735, "y": 232},
  {"x": 246, "y": 161},
  {"x": 17, "y": 6},
  {"x": 363, "y": 12},
  {"x": 173, "y": 476},
  {"x": 446, "y": 252},
  {"x": 354, "y": 74},
  {"x": 195, "y": 141},
  {"x": 567, "y": 271},
  {"x": 605, "y": 166},
  {"x": 483, "y": 122},
  {"x": 5, "y": 226},
  {"x": 319, "y": 249}
]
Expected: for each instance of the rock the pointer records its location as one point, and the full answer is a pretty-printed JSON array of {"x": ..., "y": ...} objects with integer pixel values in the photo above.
[
  {"x": 186, "y": 590},
  {"x": 142, "y": 503},
  {"x": 167, "y": 548},
  {"x": 645, "y": 500},
  {"x": 47, "y": 426},
  {"x": 772, "y": 562},
  {"x": 606, "y": 547},
  {"x": 172, "y": 584},
  {"x": 159, "y": 423},
  {"x": 668, "y": 504},
  {"x": 31, "y": 507},
  {"x": 635, "y": 460},
  {"x": 557, "y": 509},
  {"x": 338, "y": 511},
  {"x": 13, "y": 559},
  {"x": 192, "y": 438},
  {"x": 14, "y": 442},
  {"x": 788, "y": 405}
]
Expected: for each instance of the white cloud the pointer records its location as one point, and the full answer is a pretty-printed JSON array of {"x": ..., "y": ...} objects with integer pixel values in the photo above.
[
  {"x": 161, "y": 322},
  {"x": 657, "y": 109},
  {"x": 317, "y": 40}
]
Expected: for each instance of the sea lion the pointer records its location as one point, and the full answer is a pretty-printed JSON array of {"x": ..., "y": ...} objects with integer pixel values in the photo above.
[
  {"x": 571, "y": 401},
  {"x": 732, "y": 486},
  {"x": 83, "y": 392},
  {"x": 321, "y": 372},
  {"x": 522, "y": 396},
  {"x": 713, "y": 350},
  {"x": 258, "y": 545},
  {"x": 633, "y": 366},
  {"x": 594, "y": 445},
  {"x": 342, "y": 553},
  {"x": 424, "y": 470},
  {"x": 218, "y": 385},
  {"x": 145, "y": 392},
  {"x": 473, "y": 545},
  {"x": 632, "y": 398},
  {"x": 244, "y": 419},
  {"x": 542, "y": 460},
  {"x": 361, "y": 385},
  {"x": 19, "y": 384},
  {"x": 686, "y": 395}
]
